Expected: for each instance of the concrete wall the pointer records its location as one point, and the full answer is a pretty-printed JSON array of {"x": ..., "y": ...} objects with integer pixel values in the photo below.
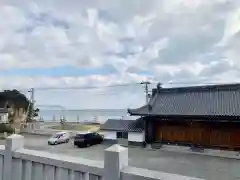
[{"x": 17, "y": 163}]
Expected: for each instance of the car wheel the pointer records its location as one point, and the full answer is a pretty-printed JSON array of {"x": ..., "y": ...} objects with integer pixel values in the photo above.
[
  {"x": 67, "y": 140},
  {"x": 55, "y": 143}
]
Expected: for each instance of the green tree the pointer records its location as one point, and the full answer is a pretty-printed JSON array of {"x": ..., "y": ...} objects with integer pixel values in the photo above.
[
  {"x": 13, "y": 98},
  {"x": 62, "y": 122},
  {"x": 31, "y": 113}
]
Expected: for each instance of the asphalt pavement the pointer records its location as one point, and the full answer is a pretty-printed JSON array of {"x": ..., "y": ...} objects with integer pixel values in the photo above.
[{"x": 210, "y": 168}]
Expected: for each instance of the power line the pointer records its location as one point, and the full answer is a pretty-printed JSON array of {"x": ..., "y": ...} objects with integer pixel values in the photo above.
[
  {"x": 126, "y": 85},
  {"x": 192, "y": 83},
  {"x": 85, "y": 87},
  {"x": 116, "y": 85},
  {"x": 70, "y": 87}
]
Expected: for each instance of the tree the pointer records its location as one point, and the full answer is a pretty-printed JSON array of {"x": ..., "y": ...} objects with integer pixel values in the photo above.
[
  {"x": 13, "y": 100},
  {"x": 62, "y": 122},
  {"x": 31, "y": 113}
]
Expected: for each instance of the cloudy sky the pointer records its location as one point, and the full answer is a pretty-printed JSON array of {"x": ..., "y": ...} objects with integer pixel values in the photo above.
[{"x": 60, "y": 43}]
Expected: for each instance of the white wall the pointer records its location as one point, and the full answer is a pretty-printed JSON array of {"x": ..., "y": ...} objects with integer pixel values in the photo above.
[
  {"x": 3, "y": 117},
  {"x": 109, "y": 135},
  {"x": 132, "y": 136},
  {"x": 136, "y": 136}
]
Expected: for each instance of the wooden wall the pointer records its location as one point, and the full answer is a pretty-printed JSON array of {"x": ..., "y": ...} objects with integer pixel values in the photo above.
[{"x": 220, "y": 135}]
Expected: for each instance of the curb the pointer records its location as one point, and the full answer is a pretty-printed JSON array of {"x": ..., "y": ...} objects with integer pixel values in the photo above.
[
  {"x": 236, "y": 157},
  {"x": 35, "y": 134},
  {"x": 39, "y": 134}
]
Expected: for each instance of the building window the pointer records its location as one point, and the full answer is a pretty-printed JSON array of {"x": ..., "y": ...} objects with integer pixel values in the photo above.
[{"x": 122, "y": 135}]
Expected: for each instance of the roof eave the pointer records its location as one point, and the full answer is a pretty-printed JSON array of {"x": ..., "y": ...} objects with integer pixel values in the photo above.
[
  {"x": 129, "y": 111},
  {"x": 139, "y": 111},
  {"x": 121, "y": 130},
  {"x": 194, "y": 117}
]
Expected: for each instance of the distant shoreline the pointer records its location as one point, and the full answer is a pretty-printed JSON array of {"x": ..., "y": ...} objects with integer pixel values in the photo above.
[{"x": 84, "y": 109}]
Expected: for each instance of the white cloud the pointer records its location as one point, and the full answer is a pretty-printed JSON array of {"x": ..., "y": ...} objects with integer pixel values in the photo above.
[
  {"x": 74, "y": 96},
  {"x": 11, "y": 18},
  {"x": 175, "y": 41}
]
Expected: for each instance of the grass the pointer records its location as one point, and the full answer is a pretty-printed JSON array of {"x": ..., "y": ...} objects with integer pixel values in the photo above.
[{"x": 75, "y": 127}]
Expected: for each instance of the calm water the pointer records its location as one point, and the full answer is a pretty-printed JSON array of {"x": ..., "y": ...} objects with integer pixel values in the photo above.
[{"x": 101, "y": 115}]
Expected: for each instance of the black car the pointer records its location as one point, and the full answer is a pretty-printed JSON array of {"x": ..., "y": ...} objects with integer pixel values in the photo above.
[{"x": 87, "y": 139}]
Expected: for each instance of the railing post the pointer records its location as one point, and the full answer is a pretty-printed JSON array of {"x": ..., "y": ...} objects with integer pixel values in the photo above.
[
  {"x": 13, "y": 143},
  {"x": 115, "y": 158}
]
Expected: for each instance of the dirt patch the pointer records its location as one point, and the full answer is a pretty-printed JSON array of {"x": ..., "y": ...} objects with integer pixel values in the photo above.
[{"x": 76, "y": 127}]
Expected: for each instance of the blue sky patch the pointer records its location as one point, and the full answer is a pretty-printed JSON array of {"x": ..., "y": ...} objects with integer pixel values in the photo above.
[{"x": 59, "y": 71}]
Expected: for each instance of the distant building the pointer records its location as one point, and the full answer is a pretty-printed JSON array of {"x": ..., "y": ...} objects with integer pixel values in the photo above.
[
  {"x": 3, "y": 115},
  {"x": 123, "y": 131},
  {"x": 207, "y": 116}
]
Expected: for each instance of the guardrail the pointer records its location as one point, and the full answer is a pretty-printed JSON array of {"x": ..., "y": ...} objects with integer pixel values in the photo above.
[{"x": 17, "y": 163}]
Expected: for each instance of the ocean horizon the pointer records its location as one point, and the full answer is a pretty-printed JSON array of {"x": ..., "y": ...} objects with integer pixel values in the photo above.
[{"x": 83, "y": 115}]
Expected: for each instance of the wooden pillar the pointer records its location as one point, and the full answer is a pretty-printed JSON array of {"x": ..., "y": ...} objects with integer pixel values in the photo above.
[
  {"x": 154, "y": 130},
  {"x": 146, "y": 131},
  {"x": 149, "y": 130}
]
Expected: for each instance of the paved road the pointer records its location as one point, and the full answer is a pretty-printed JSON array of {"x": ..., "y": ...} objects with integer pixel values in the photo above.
[{"x": 211, "y": 168}]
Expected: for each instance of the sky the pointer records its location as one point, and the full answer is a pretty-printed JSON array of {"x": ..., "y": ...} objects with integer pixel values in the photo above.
[{"x": 64, "y": 44}]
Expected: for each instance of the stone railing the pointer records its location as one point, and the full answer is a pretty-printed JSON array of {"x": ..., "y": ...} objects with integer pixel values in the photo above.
[{"x": 17, "y": 163}]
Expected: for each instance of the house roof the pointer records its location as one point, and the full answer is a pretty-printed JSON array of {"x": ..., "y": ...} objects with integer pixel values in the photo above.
[
  {"x": 214, "y": 100},
  {"x": 3, "y": 110},
  {"x": 122, "y": 125}
]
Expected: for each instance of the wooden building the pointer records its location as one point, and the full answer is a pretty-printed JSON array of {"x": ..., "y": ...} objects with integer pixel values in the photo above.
[{"x": 207, "y": 116}]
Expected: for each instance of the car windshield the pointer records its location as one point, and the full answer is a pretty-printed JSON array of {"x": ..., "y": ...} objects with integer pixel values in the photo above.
[
  {"x": 56, "y": 136},
  {"x": 95, "y": 134},
  {"x": 80, "y": 136}
]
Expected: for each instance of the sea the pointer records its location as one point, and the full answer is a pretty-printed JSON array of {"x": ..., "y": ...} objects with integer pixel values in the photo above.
[{"x": 84, "y": 115}]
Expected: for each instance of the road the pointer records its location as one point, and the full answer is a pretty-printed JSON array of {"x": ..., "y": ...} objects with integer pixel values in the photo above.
[{"x": 211, "y": 168}]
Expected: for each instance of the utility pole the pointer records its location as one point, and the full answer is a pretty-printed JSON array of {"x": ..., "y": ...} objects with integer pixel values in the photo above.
[
  {"x": 32, "y": 95},
  {"x": 146, "y": 83},
  {"x": 32, "y": 102}
]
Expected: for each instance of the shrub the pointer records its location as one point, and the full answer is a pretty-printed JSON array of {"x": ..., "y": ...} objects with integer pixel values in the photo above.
[{"x": 6, "y": 128}]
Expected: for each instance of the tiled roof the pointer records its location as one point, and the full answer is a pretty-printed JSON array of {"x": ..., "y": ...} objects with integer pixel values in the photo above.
[
  {"x": 122, "y": 125},
  {"x": 215, "y": 100}
]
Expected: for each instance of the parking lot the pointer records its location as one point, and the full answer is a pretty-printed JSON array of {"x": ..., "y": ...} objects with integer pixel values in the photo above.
[{"x": 178, "y": 163}]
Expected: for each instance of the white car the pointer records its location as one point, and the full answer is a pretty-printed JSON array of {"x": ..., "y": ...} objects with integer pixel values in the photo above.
[{"x": 61, "y": 137}]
